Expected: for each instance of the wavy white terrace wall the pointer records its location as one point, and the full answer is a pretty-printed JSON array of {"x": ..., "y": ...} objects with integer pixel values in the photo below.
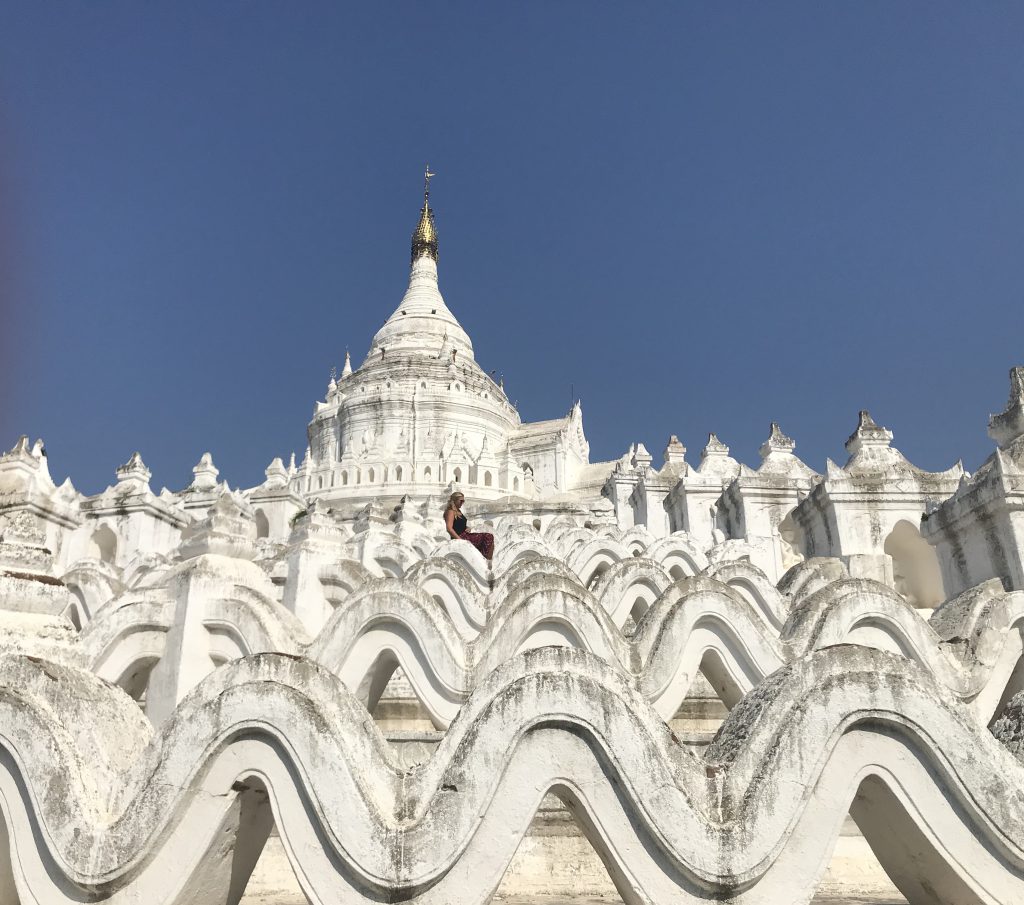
[
  {"x": 448, "y": 831},
  {"x": 446, "y": 624}
]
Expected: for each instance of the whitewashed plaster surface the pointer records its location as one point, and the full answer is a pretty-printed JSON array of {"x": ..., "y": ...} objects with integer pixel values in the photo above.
[{"x": 703, "y": 671}]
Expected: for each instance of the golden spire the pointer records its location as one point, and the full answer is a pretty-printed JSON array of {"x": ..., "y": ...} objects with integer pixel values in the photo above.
[{"x": 424, "y": 238}]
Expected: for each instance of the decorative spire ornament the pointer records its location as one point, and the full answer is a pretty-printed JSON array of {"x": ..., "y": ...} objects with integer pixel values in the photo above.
[{"x": 424, "y": 238}]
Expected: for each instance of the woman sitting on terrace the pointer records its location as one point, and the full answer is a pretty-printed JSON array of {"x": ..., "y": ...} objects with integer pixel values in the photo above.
[{"x": 456, "y": 522}]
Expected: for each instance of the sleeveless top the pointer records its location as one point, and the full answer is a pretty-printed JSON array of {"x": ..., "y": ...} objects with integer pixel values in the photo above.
[{"x": 459, "y": 524}]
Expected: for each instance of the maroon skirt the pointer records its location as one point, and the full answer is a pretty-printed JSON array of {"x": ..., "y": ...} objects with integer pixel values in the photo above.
[{"x": 483, "y": 541}]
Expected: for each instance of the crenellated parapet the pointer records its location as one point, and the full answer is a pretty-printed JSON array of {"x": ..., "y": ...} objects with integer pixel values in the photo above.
[
  {"x": 275, "y": 503},
  {"x": 868, "y": 514},
  {"x": 654, "y": 485},
  {"x": 26, "y": 487},
  {"x": 978, "y": 533},
  {"x": 692, "y": 503},
  {"x": 128, "y": 519},
  {"x": 756, "y": 504}
]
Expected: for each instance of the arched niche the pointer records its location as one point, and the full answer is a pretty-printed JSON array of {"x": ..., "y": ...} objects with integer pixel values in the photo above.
[
  {"x": 791, "y": 536},
  {"x": 103, "y": 544},
  {"x": 915, "y": 566}
]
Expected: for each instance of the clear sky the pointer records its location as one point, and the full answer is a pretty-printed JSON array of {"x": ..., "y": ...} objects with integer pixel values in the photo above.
[{"x": 696, "y": 216}]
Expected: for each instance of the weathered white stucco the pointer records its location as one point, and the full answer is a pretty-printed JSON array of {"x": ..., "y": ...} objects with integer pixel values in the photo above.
[{"x": 701, "y": 673}]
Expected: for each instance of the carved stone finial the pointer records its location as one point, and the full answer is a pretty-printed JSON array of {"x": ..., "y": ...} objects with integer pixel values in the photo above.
[
  {"x": 134, "y": 475},
  {"x": 371, "y": 515},
  {"x": 24, "y": 468},
  {"x": 716, "y": 463},
  {"x": 675, "y": 452},
  {"x": 228, "y": 529},
  {"x": 777, "y": 442},
  {"x": 205, "y": 474},
  {"x": 868, "y": 435},
  {"x": 714, "y": 447},
  {"x": 406, "y": 511},
  {"x": 277, "y": 474},
  {"x": 641, "y": 458},
  {"x": 1008, "y": 425},
  {"x": 431, "y": 506},
  {"x": 20, "y": 448}
]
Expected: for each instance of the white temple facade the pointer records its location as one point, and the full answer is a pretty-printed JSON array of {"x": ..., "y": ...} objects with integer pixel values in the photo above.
[
  {"x": 420, "y": 414},
  {"x": 676, "y": 682},
  {"x": 419, "y": 418}
]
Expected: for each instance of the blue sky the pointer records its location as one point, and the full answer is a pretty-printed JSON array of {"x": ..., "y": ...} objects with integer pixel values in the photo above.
[{"x": 699, "y": 216}]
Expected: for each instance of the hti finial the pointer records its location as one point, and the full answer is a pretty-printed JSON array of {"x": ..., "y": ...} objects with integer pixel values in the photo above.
[
  {"x": 427, "y": 175},
  {"x": 424, "y": 238}
]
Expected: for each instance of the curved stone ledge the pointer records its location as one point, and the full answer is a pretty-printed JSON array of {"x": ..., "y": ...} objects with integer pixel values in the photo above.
[
  {"x": 696, "y": 625},
  {"x": 103, "y": 813}
]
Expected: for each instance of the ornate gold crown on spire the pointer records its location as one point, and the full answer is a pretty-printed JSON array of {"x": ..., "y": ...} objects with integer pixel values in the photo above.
[{"x": 424, "y": 237}]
